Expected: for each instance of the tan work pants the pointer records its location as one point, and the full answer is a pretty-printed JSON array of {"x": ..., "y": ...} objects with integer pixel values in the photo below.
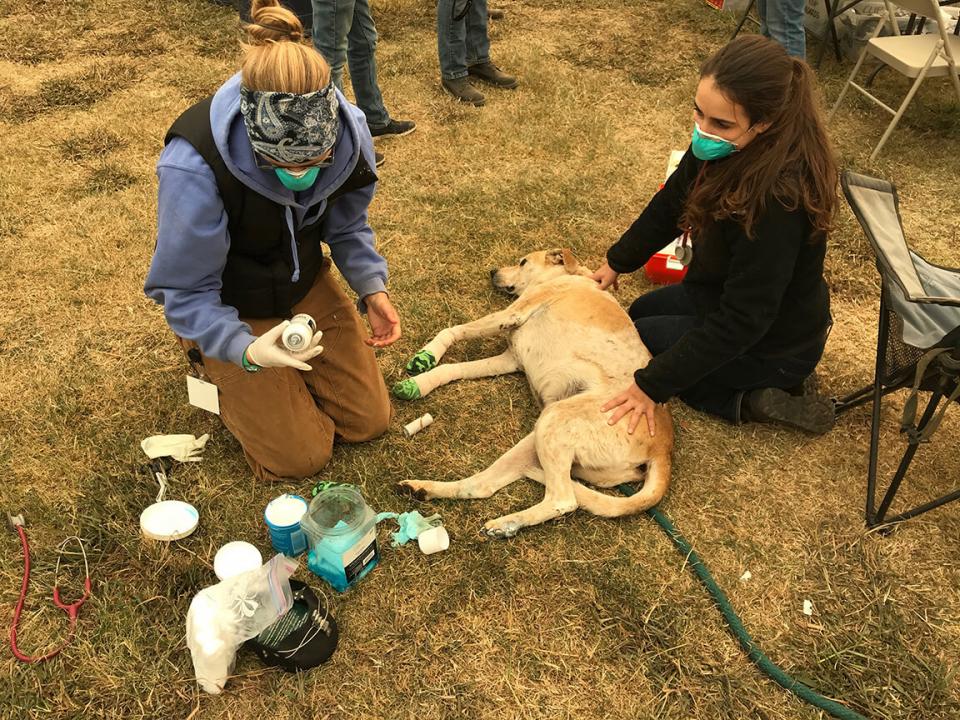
[{"x": 286, "y": 420}]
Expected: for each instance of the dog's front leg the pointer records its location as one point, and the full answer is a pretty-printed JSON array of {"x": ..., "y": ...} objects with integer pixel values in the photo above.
[
  {"x": 417, "y": 387},
  {"x": 430, "y": 355}
]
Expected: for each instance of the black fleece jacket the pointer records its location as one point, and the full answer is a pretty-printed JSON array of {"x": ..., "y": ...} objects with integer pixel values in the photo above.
[{"x": 764, "y": 295}]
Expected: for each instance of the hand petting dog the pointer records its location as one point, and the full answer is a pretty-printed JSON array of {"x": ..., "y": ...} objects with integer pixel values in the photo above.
[
  {"x": 606, "y": 277},
  {"x": 632, "y": 400}
]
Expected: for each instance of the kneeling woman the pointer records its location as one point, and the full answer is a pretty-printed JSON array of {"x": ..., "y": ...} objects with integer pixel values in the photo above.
[
  {"x": 252, "y": 181},
  {"x": 755, "y": 196}
]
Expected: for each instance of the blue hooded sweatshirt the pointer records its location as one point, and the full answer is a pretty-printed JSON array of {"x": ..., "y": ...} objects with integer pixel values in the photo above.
[{"x": 192, "y": 235}]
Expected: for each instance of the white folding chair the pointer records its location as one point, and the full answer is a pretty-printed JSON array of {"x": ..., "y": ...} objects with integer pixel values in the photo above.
[{"x": 915, "y": 56}]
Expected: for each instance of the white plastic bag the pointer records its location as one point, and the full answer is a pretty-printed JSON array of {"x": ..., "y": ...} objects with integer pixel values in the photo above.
[{"x": 223, "y": 616}]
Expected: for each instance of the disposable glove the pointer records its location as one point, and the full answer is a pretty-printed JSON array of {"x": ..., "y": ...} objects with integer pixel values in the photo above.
[
  {"x": 411, "y": 525},
  {"x": 185, "y": 448},
  {"x": 266, "y": 350}
]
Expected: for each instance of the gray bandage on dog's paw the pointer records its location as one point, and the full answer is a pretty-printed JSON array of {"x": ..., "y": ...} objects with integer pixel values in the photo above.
[{"x": 421, "y": 362}]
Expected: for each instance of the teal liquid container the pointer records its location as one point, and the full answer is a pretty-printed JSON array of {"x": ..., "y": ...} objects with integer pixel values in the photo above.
[{"x": 342, "y": 533}]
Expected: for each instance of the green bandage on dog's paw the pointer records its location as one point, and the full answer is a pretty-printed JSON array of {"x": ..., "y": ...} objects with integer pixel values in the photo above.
[
  {"x": 406, "y": 390},
  {"x": 421, "y": 362}
]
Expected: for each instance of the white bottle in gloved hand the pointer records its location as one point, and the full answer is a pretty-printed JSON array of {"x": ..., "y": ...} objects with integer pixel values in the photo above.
[
  {"x": 299, "y": 333},
  {"x": 266, "y": 350}
]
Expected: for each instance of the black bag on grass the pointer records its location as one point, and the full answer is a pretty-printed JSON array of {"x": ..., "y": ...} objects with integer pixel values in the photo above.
[{"x": 304, "y": 637}]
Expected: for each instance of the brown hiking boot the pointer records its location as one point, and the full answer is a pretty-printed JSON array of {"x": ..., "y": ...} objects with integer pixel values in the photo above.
[
  {"x": 463, "y": 91},
  {"x": 489, "y": 73},
  {"x": 773, "y": 405}
]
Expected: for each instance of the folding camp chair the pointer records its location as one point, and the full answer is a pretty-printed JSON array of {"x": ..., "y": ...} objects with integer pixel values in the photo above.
[
  {"x": 915, "y": 56},
  {"x": 918, "y": 341}
]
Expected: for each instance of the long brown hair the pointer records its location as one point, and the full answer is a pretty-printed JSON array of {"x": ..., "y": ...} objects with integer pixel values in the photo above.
[
  {"x": 275, "y": 57},
  {"x": 792, "y": 162}
]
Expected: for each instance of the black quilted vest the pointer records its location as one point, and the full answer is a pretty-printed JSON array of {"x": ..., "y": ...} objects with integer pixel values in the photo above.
[{"x": 256, "y": 278}]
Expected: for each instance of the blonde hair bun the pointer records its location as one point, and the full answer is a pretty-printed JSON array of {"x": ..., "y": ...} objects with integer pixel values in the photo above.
[
  {"x": 272, "y": 23},
  {"x": 275, "y": 56}
]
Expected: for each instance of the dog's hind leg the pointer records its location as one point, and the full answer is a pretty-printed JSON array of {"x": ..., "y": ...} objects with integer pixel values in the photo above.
[
  {"x": 555, "y": 450},
  {"x": 417, "y": 387},
  {"x": 514, "y": 464}
]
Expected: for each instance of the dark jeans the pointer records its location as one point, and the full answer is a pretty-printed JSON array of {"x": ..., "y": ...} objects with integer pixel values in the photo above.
[{"x": 664, "y": 315}]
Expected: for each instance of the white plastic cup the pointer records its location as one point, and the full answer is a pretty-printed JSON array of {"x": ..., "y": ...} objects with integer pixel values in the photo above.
[{"x": 433, "y": 540}]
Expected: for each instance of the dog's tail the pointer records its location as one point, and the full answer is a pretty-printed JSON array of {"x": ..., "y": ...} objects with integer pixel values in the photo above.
[{"x": 654, "y": 488}]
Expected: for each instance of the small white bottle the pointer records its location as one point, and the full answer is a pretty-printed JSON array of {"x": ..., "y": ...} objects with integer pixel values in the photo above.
[{"x": 299, "y": 333}]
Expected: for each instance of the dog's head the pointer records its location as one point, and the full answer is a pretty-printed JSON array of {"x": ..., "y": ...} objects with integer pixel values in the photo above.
[{"x": 537, "y": 267}]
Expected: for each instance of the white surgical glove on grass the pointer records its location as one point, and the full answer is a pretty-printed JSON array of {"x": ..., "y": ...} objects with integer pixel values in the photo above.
[
  {"x": 266, "y": 350},
  {"x": 185, "y": 448}
]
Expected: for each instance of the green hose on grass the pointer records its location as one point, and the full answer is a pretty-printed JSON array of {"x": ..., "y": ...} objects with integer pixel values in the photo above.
[{"x": 802, "y": 691}]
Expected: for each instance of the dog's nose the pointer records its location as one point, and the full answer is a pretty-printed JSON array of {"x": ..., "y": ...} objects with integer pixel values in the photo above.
[{"x": 493, "y": 272}]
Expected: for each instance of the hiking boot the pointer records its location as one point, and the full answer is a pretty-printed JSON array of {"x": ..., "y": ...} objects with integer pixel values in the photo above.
[
  {"x": 378, "y": 158},
  {"x": 495, "y": 13},
  {"x": 396, "y": 128},
  {"x": 489, "y": 73},
  {"x": 809, "y": 386},
  {"x": 463, "y": 91},
  {"x": 773, "y": 405}
]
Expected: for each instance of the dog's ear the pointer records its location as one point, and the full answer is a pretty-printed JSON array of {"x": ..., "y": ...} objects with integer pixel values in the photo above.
[
  {"x": 555, "y": 257},
  {"x": 570, "y": 263}
]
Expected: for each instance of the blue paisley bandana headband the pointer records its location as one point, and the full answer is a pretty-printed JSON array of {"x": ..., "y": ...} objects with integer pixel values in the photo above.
[{"x": 290, "y": 128}]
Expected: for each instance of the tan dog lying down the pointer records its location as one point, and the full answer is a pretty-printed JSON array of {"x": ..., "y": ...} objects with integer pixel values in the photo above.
[{"x": 578, "y": 349}]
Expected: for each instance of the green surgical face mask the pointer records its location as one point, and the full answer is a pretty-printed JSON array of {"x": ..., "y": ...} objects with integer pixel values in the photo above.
[
  {"x": 297, "y": 180},
  {"x": 710, "y": 147}
]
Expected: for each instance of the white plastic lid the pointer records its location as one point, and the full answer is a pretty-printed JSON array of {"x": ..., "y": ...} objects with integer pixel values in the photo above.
[
  {"x": 169, "y": 520},
  {"x": 236, "y": 557}
]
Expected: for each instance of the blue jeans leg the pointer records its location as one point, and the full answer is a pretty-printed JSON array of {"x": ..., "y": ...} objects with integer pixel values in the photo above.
[
  {"x": 331, "y": 25},
  {"x": 461, "y": 42},
  {"x": 362, "y": 56},
  {"x": 478, "y": 40},
  {"x": 342, "y": 28},
  {"x": 782, "y": 20}
]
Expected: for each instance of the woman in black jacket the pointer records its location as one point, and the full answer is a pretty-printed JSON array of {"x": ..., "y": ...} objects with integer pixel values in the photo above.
[{"x": 754, "y": 198}]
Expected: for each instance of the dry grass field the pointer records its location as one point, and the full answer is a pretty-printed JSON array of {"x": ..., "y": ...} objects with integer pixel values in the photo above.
[{"x": 580, "y": 618}]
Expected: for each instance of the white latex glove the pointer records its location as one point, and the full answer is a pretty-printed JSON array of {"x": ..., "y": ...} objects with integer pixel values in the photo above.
[
  {"x": 185, "y": 448},
  {"x": 266, "y": 350}
]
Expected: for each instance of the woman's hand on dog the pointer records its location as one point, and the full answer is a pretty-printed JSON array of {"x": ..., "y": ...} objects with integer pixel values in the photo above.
[
  {"x": 384, "y": 320},
  {"x": 634, "y": 402},
  {"x": 606, "y": 277}
]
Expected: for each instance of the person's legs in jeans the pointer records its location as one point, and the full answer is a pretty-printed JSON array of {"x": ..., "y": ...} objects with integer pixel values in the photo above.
[
  {"x": 782, "y": 20},
  {"x": 332, "y": 20},
  {"x": 451, "y": 41},
  {"x": 662, "y": 316},
  {"x": 361, "y": 54},
  {"x": 477, "y": 39}
]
